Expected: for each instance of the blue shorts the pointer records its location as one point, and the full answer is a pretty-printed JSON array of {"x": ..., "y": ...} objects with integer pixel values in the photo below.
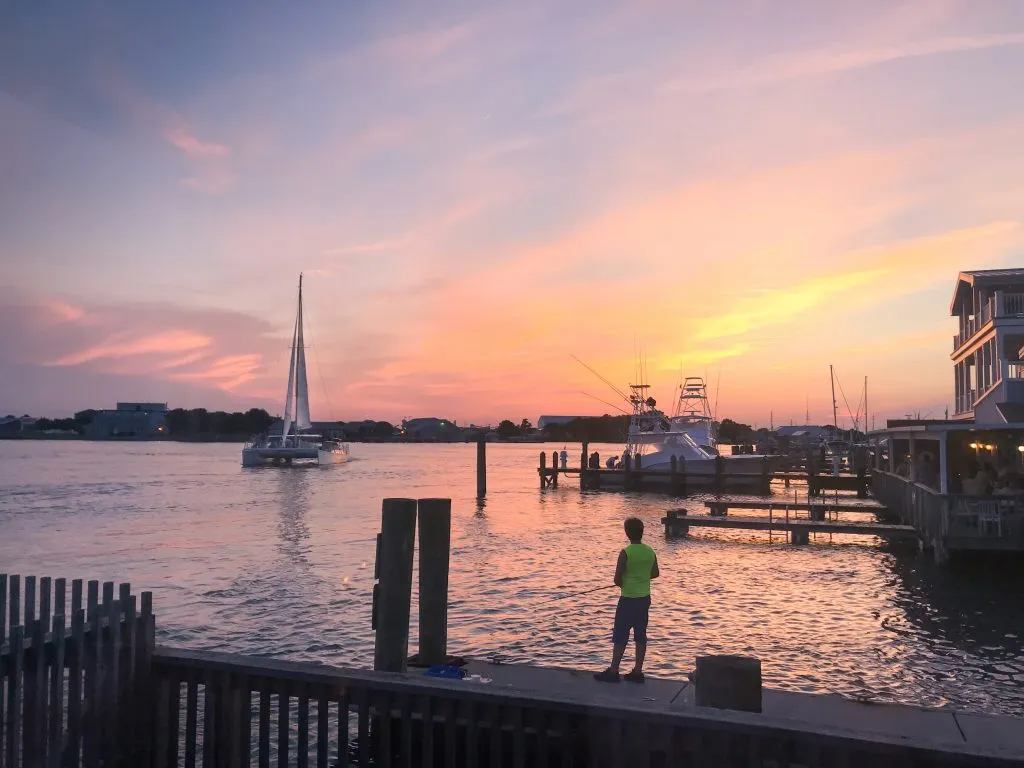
[{"x": 631, "y": 613}]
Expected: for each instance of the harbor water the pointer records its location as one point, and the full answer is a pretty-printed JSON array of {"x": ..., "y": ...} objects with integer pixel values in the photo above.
[{"x": 279, "y": 562}]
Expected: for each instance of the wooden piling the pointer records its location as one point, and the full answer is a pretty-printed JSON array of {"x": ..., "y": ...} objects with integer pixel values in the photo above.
[
  {"x": 435, "y": 528},
  {"x": 766, "y": 478},
  {"x": 719, "y": 473},
  {"x": 542, "y": 470},
  {"x": 638, "y": 477},
  {"x": 627, "y": 467},
  {"x": 398, "y": 533},
  {"x": 481, "y": 468},
  {"x": 554, "y": 469}
]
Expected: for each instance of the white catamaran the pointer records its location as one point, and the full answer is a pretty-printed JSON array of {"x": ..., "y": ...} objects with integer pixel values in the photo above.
[{"x": 295, "y": 444}]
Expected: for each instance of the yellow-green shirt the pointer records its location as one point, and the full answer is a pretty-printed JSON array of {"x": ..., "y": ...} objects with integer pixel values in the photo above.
[{"x": 636, "y": 581}]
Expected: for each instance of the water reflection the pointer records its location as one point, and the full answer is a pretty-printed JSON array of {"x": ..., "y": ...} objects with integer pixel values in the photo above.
[{"x": 293, "y": 485}]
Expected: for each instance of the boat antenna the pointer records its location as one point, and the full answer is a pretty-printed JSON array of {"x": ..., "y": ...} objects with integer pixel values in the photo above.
[
  {"x": 614, "y": 389},
  {"x": 610, "y": 405}
]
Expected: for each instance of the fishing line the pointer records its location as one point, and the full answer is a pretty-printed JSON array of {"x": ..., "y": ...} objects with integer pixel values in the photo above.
[{"x": 576, "y": 594}]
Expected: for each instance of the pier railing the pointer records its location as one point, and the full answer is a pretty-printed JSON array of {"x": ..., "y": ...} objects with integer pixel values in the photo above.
[
  {"x": 958, "y": 520},
  {"x": 73, "y": 672},
  {"x": 224, "y": 710}
]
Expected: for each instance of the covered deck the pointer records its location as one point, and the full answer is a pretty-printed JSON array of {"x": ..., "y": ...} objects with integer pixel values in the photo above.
[{"x": 961, "y": 485}]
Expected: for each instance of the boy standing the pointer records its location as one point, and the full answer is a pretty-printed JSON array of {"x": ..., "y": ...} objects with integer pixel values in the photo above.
[{"x": 636, "y": 566}]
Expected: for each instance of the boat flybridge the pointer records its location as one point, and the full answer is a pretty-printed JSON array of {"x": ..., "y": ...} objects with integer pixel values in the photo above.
[
  {"x": 693, "y": 414},
  {"x": 295, "y": 444}
]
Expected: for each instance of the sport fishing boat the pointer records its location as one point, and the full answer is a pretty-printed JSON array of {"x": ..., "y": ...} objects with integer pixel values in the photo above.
[
  {"x": 655, "y": 439},
  {"x": 295, "y": 444}
]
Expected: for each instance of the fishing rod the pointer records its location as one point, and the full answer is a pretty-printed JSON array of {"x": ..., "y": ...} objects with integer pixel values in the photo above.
[
  {"x": 610, "y": 405},
  {"x": 576, "y": 594},
  {"x": 615, "y": 389}
]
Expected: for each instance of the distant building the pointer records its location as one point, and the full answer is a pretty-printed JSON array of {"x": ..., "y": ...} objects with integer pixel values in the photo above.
[
  {"x": 988, "y": 373},
  {"x": 545, "y": 421},
  {"x": 431, "y": 429},
  {"x": 16, "y": 425},
  {"x": 142, "y": 421}
]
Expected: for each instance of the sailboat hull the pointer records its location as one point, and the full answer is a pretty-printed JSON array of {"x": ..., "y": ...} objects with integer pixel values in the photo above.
[{"x": 338, "y": 455}]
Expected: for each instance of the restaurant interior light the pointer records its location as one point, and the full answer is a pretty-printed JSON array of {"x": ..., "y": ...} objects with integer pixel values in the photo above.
[
  {"x": 974, "y": 446},
  {"x": 1020, "y": 448}
]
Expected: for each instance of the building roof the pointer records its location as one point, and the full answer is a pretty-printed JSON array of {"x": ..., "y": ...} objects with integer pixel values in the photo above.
[{"x": 982, "y": 276}]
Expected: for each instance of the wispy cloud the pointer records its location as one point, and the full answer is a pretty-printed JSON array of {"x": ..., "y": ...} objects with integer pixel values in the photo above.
[
  {"x": 192, "y": 146},
  {"x": 829, "y": 61},
  {"x": 123, "y": 345}
]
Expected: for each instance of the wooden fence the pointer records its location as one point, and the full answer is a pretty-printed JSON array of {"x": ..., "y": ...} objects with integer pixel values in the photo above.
[
  {"x": 225, "y": 710},
  {"x": 72, "y": 692}
]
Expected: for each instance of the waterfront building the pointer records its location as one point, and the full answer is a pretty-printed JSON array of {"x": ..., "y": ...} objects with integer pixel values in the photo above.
[
  {"x": 988, "y": 373},
  {"x": 142, "y": 421}
]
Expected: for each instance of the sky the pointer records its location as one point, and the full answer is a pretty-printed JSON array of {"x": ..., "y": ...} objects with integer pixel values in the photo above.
[{"x": 477, "y": 194}]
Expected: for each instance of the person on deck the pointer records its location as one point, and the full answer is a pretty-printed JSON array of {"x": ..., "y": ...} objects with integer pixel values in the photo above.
[
  {"x": 636, "y": 566},
  {"x": 564, "y": 456}
]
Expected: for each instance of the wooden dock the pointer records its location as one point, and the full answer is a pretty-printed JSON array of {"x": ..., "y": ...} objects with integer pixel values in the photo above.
[
  {"x": 781, "y": 518},
  {"x": 679, "y": 480},
  {"x": 817, "y": 510}
]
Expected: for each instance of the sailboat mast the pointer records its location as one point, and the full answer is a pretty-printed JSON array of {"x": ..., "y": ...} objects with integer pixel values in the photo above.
[
  {"x": 866, "y": 422},
  {"x": 835, "y": 413}
]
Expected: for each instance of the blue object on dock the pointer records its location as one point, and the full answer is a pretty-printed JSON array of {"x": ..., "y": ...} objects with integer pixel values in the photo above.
[{"x": 455, "y": 673}]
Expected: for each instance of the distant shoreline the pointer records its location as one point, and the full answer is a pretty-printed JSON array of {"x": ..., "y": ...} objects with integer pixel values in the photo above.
[{"x": 228, "y": 439}]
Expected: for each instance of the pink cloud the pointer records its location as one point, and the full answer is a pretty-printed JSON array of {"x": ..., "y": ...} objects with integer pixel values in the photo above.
[
  {"x": 192, "y": 146},
  {"x": 825, "y": 62},
  {"x": 120, "y": 345}
]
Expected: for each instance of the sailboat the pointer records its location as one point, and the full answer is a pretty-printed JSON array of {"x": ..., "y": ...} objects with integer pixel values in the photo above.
[{"x": 295, "y": 443}]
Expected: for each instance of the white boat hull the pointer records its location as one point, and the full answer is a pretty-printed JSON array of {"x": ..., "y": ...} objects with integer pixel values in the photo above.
[{"x": 332, "y": 456}]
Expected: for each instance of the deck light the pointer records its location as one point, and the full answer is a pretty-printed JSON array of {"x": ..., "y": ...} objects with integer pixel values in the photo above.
[{"x": 974, "y": 446}]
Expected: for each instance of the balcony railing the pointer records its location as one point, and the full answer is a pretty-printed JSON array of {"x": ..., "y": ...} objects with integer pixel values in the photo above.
[{"x": 1002, "y": 305}]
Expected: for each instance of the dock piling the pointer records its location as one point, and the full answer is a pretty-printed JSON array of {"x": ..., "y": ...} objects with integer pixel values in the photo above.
[
  {"x": 481, "y": 468},
  {"x": 435, "y": 529},
  {"x": 398, "y": 533},
  {"x": 542, "y": 470}
]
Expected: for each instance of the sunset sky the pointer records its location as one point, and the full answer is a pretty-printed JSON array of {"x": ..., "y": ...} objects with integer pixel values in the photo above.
[{"x": 746, "y": 190}]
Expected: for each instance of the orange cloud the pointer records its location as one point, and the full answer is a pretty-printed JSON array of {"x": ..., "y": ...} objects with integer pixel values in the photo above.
[
  {"x": 63, "y": 312},
  {"x": 228, "y": 372}
]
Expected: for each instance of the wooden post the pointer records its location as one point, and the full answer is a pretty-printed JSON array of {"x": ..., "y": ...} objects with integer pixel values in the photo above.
[
  {"x": 637, "y": 477},
  {"x": 719, "y": 469},
  {"x": 435, "y": 528},
  {"x": 481, "y": 468},
  {"x": 398, "y": 533},
  {"x": 862, "y": 483},
  {"x": 543, "y": 469},
  {"x": 627, "y": 477},
  {"x": 682, "y": 476},
  {"x": 673, "y": 481},
  {"x": 554, "y": 469},
  {"x": 766, "y": 480},
  {"x": 674, "y": 525},
  {"x": 728, "y": 682}
]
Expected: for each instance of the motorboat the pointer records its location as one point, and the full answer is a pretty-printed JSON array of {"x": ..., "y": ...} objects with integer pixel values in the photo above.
[
  {"x": 295, "y": 444},
  {"x": 655, "y": 438}
]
